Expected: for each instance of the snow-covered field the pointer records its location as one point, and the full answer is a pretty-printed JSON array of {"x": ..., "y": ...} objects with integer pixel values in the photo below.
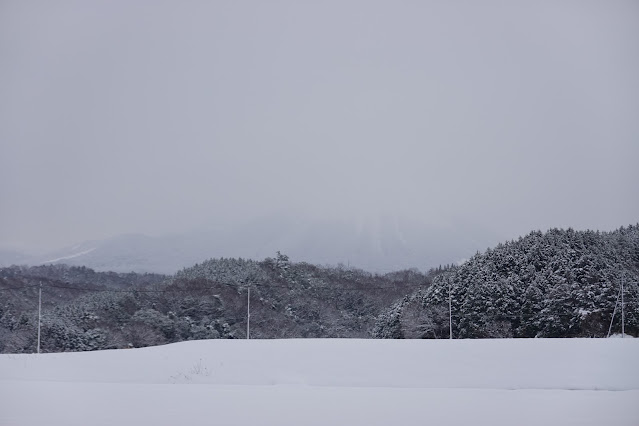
[{"x": 329, "y": 382}]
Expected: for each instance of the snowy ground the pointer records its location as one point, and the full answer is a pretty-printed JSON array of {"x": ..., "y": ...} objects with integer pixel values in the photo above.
[{"x": 329, "y": 382}]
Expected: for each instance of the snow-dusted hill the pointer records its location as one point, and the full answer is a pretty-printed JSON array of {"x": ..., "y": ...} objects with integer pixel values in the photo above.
[
  {"x": 319, "y": 382},
  {"x": 378, "y": 244}
]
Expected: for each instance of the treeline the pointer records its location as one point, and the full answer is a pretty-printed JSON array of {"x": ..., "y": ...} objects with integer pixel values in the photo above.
[
  {"x": 67, "y": 305},
  {"x": 561, "y": 283},
  {"x": 206, "y": 301}
]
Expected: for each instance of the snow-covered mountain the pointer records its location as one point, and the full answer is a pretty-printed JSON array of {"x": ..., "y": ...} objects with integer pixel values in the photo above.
[{"x": 378, "y": 244}]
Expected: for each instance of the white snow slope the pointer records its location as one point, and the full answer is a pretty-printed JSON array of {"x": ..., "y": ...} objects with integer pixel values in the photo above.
[{"x": 329, "y": 382}]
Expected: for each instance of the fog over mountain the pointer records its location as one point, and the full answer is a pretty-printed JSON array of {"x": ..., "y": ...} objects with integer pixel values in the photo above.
[
  {"x": 382, "y": 134},
  {"x": 382, "y": 245}
]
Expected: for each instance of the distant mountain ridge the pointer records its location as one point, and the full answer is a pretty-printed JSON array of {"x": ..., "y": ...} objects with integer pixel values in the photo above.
[{"x": 381, "y": 245}]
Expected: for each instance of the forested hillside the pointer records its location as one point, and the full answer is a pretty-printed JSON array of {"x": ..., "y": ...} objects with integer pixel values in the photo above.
[
  {"x": 69, "y": 321},
  {"x": 561, "y": 283},
  {"x": 87, "y": 310}
]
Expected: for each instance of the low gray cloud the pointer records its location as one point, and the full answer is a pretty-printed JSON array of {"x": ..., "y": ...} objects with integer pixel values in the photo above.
[{"x": 163, "y": 117}]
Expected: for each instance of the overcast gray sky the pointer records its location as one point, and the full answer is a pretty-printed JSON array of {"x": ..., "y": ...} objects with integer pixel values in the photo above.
[{"x": 160, "y": 117}]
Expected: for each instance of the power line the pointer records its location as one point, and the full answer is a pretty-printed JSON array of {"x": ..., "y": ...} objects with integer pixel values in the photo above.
[
  {"x": 133, "y": 290},
  {"x": 195, "y": 289},
  {"x": 237, "y": 285},
  {"x": 216, "y": 287},
  {"x": 19, "y": 288}
]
